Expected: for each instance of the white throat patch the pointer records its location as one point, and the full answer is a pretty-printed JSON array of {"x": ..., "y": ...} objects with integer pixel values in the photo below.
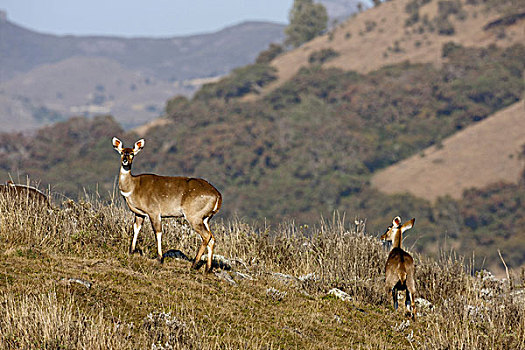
[{"x": 126, "y": 194}]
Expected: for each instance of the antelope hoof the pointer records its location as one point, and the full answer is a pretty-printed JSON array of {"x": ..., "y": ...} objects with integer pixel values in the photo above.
[
  {"x": 196, "y": 265},
  {"x": 136, "y": 251}
]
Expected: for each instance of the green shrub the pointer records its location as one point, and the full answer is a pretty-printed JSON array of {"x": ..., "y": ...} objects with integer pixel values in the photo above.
[
  {"x": 269, "y": 54},
  {"x": 322, "y": 56},
  {"x": 241, "y": 81}
]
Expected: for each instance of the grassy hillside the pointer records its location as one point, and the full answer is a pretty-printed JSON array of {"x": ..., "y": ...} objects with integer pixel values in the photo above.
[
  {"x": 66, "y": 282},
  {"x": 413, "y": 30},
  {"x": 483, "y": 154}
]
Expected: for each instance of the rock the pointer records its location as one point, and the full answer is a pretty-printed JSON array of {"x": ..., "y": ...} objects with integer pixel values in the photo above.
[
  {"x": 177, "y": 254},
  {"x": 423, "y": 304},
  {"x": 224, "y": 275},
  {"x": 285, "y": 279},
  {"x": 309, "y": 277},
  {"x": 218, "y": 261},
  {"x": 338, "y": 293},
  {"x": 275, "y": 294},
  {"x": 69, "y": 281},
  {"x": 241, "y": 276}
]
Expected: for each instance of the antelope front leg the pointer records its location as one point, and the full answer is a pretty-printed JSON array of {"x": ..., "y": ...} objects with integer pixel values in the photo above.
[
  {"x": 136, "y": 229},
  {"x": 156, "y": 222}
]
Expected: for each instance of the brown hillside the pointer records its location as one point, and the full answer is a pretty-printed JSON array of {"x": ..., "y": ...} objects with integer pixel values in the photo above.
[
  {"x": 484, "y": 153},
  {"x": 368, "y": 41}
]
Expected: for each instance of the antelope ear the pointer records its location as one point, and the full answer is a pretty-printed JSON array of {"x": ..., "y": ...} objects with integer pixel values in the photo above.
[
  {"x": 117, "y": 145},
  {"x": 408, "y": 225},
  {"x": 396, "y": 221},
  {"x": 138, "y": 146}
]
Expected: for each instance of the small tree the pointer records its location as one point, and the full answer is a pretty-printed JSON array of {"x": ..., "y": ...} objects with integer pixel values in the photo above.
[
  {"x": 307, "y": 20},
  {"x": 269, "y": 54}
]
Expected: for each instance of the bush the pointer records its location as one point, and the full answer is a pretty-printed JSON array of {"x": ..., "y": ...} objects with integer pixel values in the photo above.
[
  {"x": 444, "y": 26},
  {"x": 269, "y": 54},
  {"x": 322, "y": 56},
  {"x": 241, "y": 81},
  {"x": 449, "y": 48}
]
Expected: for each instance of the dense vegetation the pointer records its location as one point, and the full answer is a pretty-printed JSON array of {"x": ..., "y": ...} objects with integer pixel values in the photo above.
[
  {"x": 67, "y": 282},
  {"x": 307, "y": 148}
]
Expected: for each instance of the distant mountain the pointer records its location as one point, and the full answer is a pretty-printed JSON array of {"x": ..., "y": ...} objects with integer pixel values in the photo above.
[
  {"x": 172, "y": 59},
  {"x": 47, "y": 77}
]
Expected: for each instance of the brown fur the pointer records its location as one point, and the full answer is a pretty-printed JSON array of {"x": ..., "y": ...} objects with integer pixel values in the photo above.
[
  {"x": 399, "y": 267},
  {"x": 24, "y": 193},
  {"x": 157, "y": 196}
]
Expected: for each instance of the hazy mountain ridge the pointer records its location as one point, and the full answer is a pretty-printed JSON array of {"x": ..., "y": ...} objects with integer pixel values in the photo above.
[
  {"x": 76, "y": 83},
  {"x": 177, "y": 58}
]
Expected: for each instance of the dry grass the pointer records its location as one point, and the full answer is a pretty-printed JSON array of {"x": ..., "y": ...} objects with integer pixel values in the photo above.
[{"x": 135, "y": 302}]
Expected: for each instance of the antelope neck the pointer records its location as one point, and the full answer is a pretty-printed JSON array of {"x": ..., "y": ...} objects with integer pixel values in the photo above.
[
  {"x": 397, "y": 239},
  {"x": 125, "y": 181}
]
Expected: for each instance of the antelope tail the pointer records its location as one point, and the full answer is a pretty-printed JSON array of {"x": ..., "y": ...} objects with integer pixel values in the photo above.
[{"x": 402, "y": 275}]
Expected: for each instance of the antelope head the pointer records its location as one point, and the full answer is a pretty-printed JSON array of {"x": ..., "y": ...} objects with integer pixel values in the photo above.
[
  {"x": 127, "y": 154},
  {"x": 396, "y": 227}
]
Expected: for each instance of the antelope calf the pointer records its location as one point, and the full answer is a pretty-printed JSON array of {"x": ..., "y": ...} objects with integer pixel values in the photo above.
[
  {"x": 157, "y": 196},
  {"x": 399, "y": 269}
]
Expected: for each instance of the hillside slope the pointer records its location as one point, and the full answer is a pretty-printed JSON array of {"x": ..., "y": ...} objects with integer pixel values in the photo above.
[
  {"x": 68, "y": 282},
  {"x": 379, "y": 37},
  {"x": 84, "y": 86},
  {"x": 482, "y": 154}
]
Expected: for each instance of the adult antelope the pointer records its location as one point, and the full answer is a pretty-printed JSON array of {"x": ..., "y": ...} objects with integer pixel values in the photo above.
[
  {"x": 399, "y": 268},
  {"x": 157, "y": 196},
  {"x": 25, "y": 194}
]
